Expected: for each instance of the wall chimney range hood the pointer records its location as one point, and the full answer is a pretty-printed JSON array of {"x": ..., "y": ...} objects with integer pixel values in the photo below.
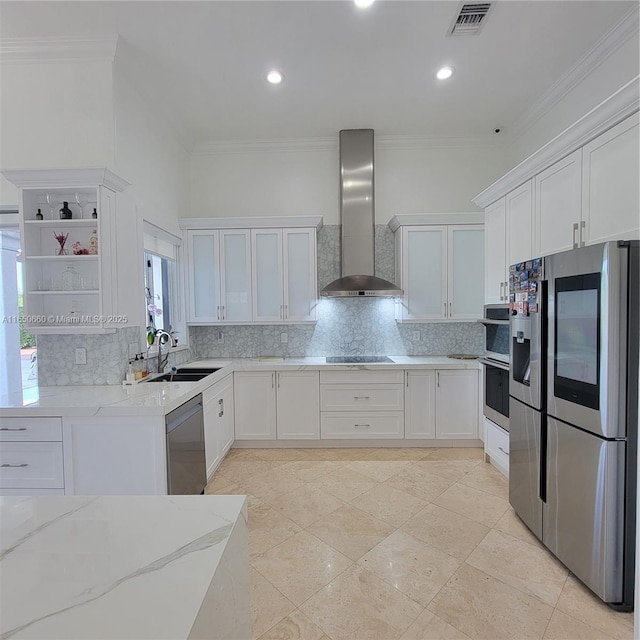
[{"x": 357, "y": 220}]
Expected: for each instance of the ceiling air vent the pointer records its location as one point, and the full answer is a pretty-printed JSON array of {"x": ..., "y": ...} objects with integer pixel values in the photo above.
[{"x": 470, "y": 19}]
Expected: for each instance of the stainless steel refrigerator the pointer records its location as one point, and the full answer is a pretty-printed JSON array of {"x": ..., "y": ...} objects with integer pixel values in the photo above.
[{"x": 574, "y": 409}]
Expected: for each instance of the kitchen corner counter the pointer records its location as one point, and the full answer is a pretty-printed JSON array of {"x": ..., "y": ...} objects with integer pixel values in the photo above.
[
  {"x": 159, "y": 398},
  {"x": 124, "y": 567}
]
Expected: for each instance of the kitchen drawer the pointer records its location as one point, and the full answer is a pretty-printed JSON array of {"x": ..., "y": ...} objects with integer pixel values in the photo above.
[
  {"x": 338, "y": 425},
  {"x": 31, "y": 492},
  {"x": 34, "y": 465},
  {"x": 497, "y": 446},
  {"x": 361, "y": 397},
  {"x": 388, "y": 376},
  {"x": 30, "y": 429}
]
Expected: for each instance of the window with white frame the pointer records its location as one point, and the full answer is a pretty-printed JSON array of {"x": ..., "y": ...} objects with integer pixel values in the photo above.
[{"x": 163, "y": 296}]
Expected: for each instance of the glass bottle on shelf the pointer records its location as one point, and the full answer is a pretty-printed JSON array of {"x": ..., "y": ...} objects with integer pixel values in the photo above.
[
  {"x": 93, "y": 243},
  {"x": 65, "y": 212},
  {"x": 94, "y": 215},
  {"x": 39, "y": 215},
  {"x": 70, "y": 280}
]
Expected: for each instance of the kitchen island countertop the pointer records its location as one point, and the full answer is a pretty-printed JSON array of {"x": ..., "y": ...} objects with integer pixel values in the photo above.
[
  {"x": 158, "y": 398},
  {"x": 124, "y": 567}
]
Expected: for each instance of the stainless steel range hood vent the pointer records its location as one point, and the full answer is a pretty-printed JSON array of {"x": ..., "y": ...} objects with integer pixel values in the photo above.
[{"x": 357, "y": 219}]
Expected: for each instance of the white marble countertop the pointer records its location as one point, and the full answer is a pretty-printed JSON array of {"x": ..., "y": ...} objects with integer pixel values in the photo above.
[
  {"x": 158, "y": 398},
  {"x": 110, "y": 566}
]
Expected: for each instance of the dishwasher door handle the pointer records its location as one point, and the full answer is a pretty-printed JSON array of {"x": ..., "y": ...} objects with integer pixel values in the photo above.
[{"x": 197, "y": 408}]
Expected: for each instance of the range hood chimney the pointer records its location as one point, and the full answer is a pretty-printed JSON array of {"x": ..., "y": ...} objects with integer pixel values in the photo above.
[{"x": 357, "y": 220}]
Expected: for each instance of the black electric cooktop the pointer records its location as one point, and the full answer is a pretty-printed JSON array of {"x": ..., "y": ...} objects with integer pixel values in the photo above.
[{"x": 357, "y": 359}]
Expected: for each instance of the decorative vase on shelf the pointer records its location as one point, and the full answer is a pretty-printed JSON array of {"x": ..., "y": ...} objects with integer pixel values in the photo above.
[
  {"x": 62, "y": 239},
  {"x": 65, "y": 212},
  {"x": 93, "y": 243}
]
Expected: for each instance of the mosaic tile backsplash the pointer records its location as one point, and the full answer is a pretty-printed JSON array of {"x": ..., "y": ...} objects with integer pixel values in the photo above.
[{"x": 344, "y": 327}]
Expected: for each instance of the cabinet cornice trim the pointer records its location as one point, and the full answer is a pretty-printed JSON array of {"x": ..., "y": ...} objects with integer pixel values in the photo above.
[
  {"x": 413, "y": 219},
  {"x": 607, "y": 114},
  {"x": 257, "y": 222},
  {"x": 63, "y": 49},
  {"x": 64, "y": 178}
]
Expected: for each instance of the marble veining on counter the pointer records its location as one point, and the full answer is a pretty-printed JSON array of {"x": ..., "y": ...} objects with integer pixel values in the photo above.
[{"x": 121, "y": 566}]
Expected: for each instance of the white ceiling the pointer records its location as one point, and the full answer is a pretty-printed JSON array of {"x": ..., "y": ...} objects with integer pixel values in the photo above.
[{"x": 204, "y": 62}]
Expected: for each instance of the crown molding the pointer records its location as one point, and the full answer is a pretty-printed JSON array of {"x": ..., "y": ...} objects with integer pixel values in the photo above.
[
  {"x": 63, "y": 49},
  {"x": 64, "y": 178},
  {"x": 257, "y": 222},
  {"x": 402, "y": 142},
  {"x": 626, "y": 28},
  {"x": 418, "y": 219},
  {"x": 620, "y": 105}
]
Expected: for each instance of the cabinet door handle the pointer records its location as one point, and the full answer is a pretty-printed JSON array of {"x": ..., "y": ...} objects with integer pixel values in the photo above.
[
  {"x": 407, "y": 376},
  {"x": 218, "y": 312},
  {"x": 444, "y": 311},
  {"x": 583, "y": 227},
  {"x": 361, "y": 397},
  {"x": 286, "y": 311},
  {"x": 575, "y": 234},
  {"x": 13, "y": 429},
  {"x": 362, "y": 425},
  {"x": 503, "y": 451},
  {"x": 451, "y": 309},
  {"x": 281, "y": 312},
  {"x": 278, "y": 378},
  {"x": 273, "y": 384},
  {"x": 501, "y": 295},
  {"x": 6, "y": 464},
  {"x": 438, "y": 378},
  {"x": 223, "y": 312}
]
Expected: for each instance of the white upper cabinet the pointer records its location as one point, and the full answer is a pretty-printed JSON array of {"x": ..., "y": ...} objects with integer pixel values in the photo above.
[
  {"x": 558, "y": 205},
  {"x": 495, "y": 249},
  {"x": 219, "y": 276},
  {"x": 610, "y": 175},
  {"x": 72, "y": 280},
  {"x": 519, "y": 217},
  {"x": 441, "y": 270},
  {"x": 284, "y": 273}
]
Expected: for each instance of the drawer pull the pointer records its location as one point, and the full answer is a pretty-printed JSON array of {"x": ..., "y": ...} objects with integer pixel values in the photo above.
[
  {"x": 13, "y": 429},
  {"x": 6, "y": 464},
  {"x": 503, "y": 451},
  {"x": 361, "y": 397},
  {"x": 361, "y": 425}
]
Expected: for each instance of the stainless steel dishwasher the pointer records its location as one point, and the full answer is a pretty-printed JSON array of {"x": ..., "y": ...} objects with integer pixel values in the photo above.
[{"x": 186, "y": 462}]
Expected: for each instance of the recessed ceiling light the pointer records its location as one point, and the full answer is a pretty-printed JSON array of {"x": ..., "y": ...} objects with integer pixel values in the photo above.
[
  {"x": 444, "y": 73},
  {"x": 275, "y": 77},
  {"x": 363, "y": 4}
]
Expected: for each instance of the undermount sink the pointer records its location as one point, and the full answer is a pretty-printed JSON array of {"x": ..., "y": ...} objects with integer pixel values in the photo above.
[
  {"x": 197, "y": 370},
  {"x": 182, "y": 376}
]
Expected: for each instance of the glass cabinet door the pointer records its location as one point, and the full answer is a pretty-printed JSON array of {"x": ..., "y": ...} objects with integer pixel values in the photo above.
[
  {"x": 299, "y": 274},
  {"x": 235, "y": 276},
  {"x": 268, "y": 302},
  {"x": 204, "y": 292},
  {"x": 424, "y": 272},
  {"x": 466, "y": 277}
]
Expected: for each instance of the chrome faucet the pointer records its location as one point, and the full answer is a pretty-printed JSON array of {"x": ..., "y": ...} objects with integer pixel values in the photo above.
[{"x": 159, "y": 333}]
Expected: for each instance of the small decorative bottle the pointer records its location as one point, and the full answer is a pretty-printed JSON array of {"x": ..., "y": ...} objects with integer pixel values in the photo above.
[
  {"x": 39, "y": 215},
  {"x": 93, "y": 243},
  {"x": 65, "y": 212},
  {"x": 94, "y": 215}
]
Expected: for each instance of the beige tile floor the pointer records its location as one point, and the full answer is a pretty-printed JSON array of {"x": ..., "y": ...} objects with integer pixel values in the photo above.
[{"x": 409, "y": 544}]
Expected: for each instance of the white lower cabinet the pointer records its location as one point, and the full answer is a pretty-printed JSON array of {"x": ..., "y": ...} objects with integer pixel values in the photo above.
[
  {"x": 218, "y": 411},
  {"x": 298, "y": 405},
  {"x": 420, "y": 404},
  {"x": 31, "y": 456},
  {"x": 496, "y": 446},
  {"x": 457, "y": 404},
  {"x": 276, "y": 404},
  {"x": 441, "y": 404},
  {"x": 361, "y": 404}
]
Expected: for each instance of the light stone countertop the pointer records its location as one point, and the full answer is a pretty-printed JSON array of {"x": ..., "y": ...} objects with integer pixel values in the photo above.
[
  {"x": 159, "y": 398},
  {"x": 118, "y": 566}
]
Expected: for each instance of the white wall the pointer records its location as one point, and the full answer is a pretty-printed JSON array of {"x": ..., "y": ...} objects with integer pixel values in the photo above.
[
  {"x": 305, "y": 182},
  {"x": 54, "y": 115},
  {"x": 605, "y": 79},
  {"x": 149, "y": 154}
]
